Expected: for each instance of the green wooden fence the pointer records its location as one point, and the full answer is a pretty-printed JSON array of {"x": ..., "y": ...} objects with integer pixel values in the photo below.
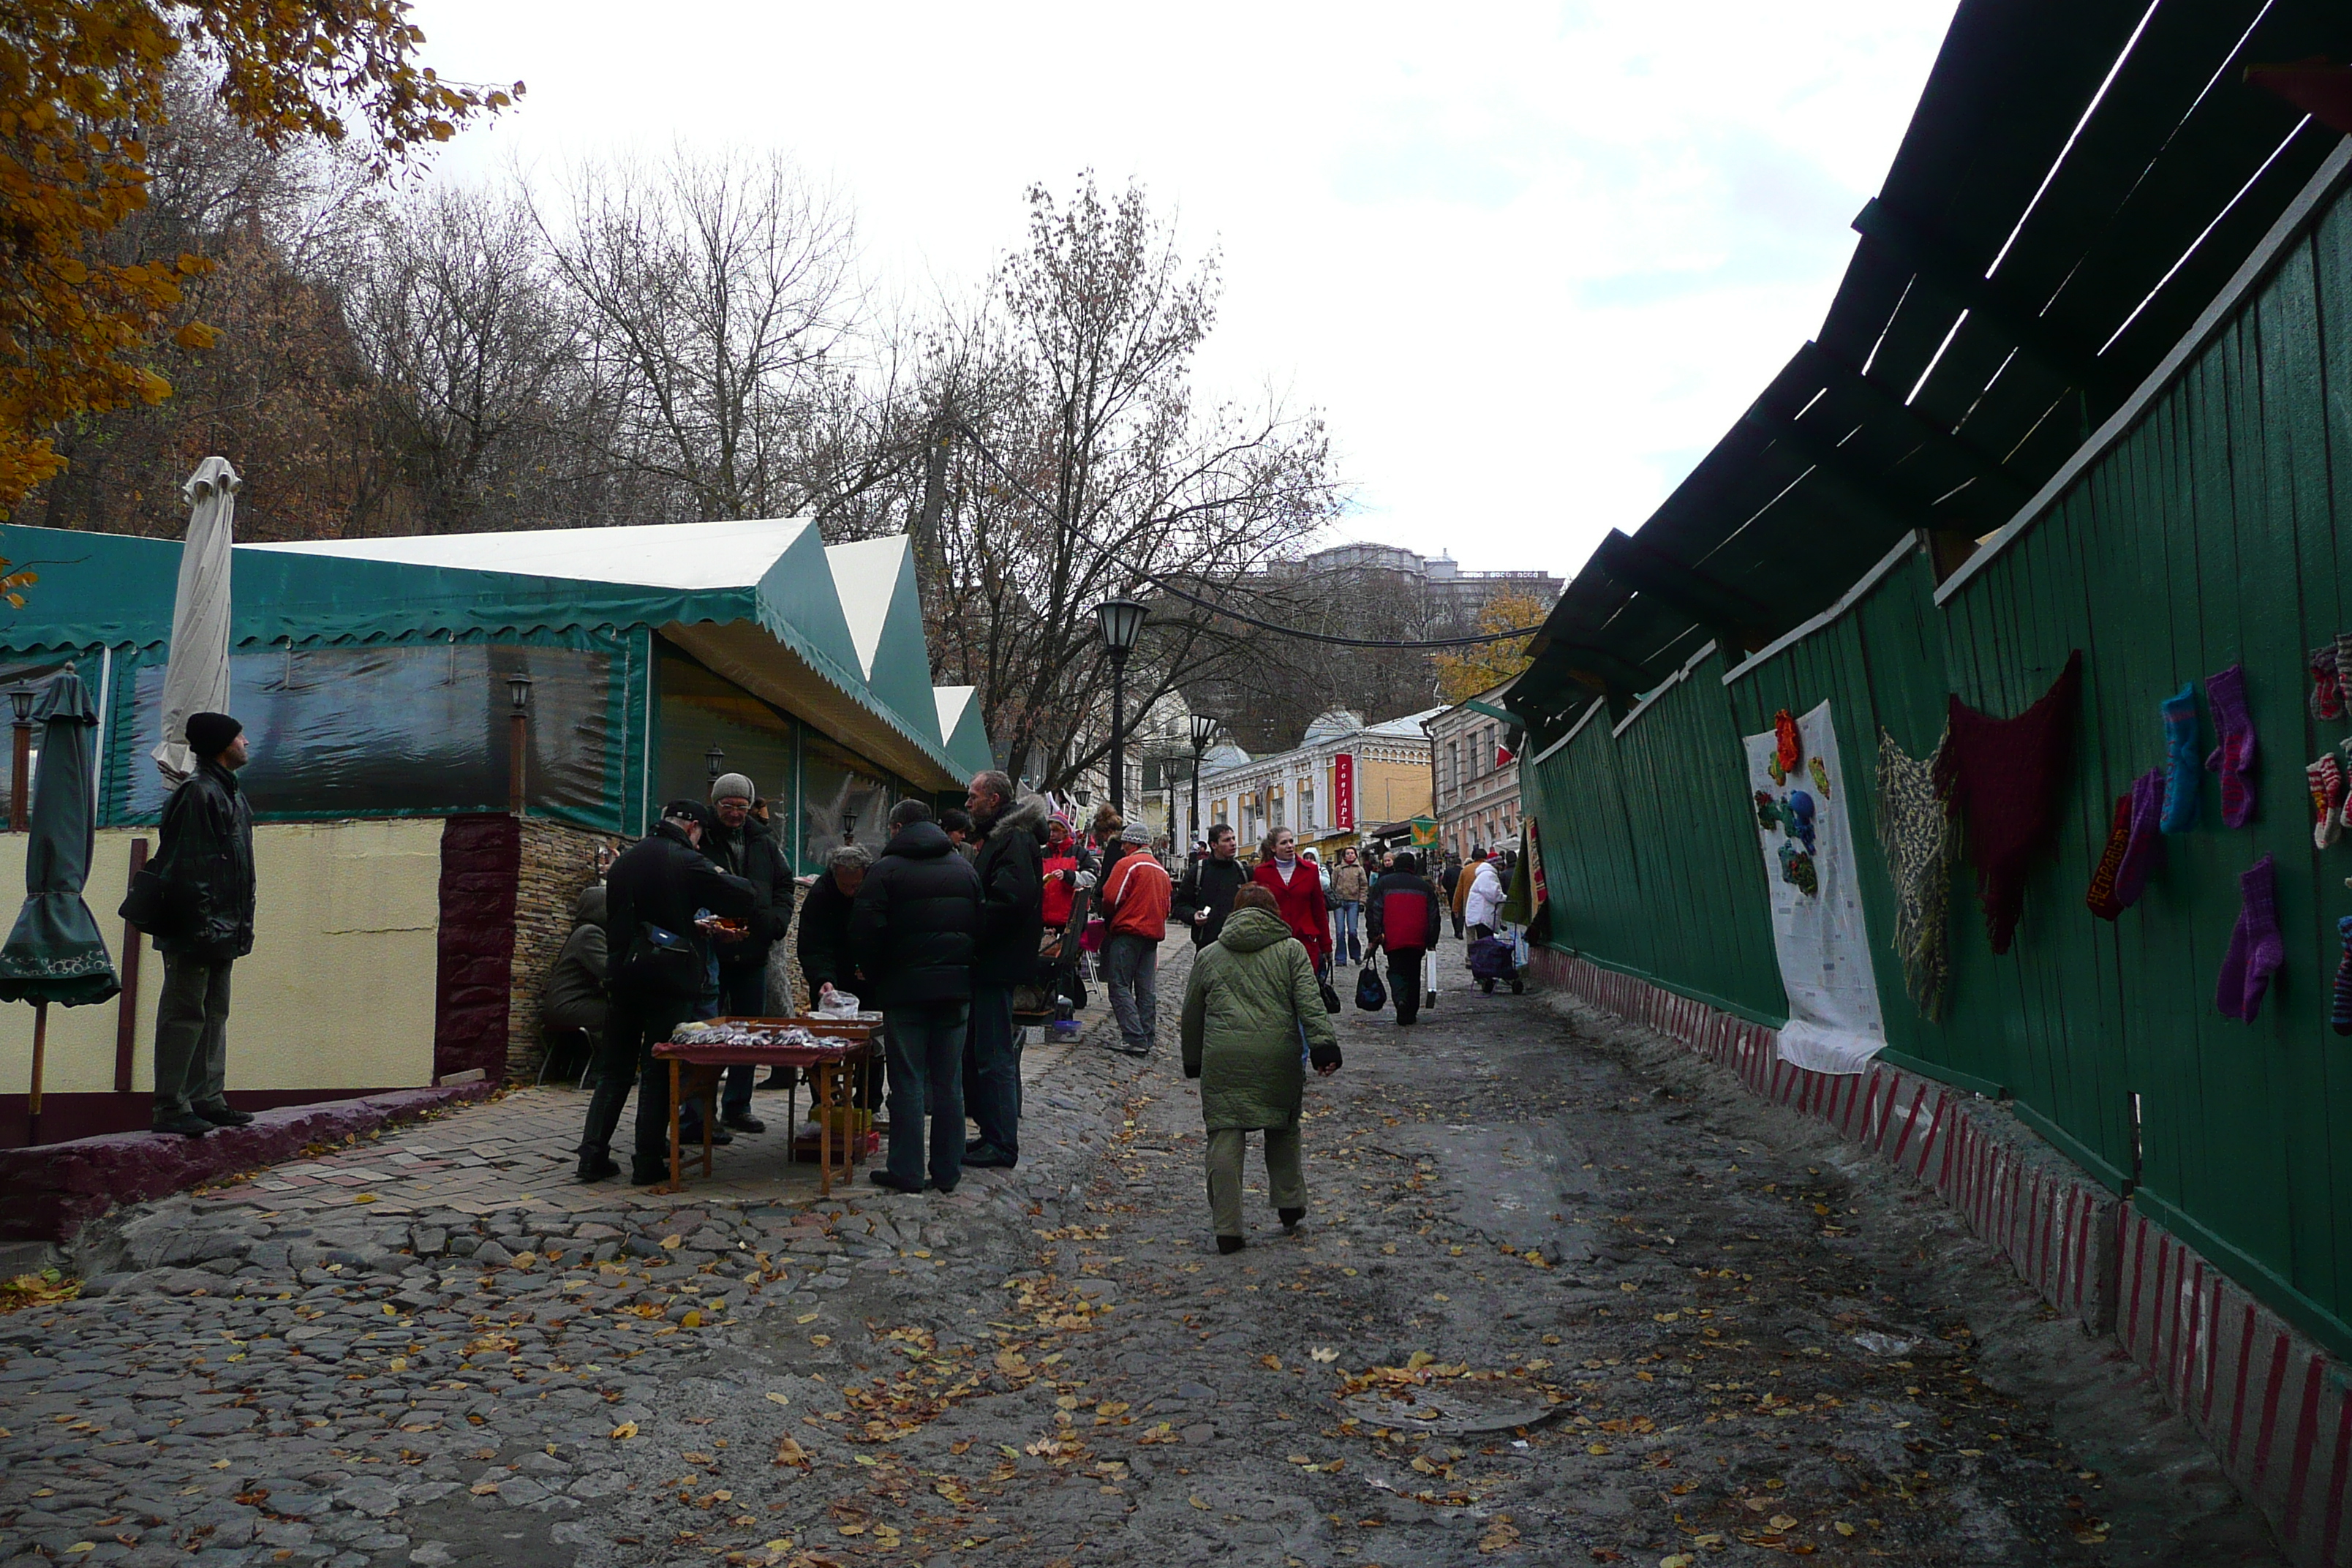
[{"x": 2206, "y": 535}]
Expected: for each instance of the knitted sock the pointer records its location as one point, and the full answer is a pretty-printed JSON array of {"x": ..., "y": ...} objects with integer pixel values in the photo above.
[
  {"x": 2339, "y": 1010},
  {"x": 2256, "y": 950},
  {"x": 1820, "y": 775},
  {"x": 2182, "y": 774},
  {"x": 1789, "y": 750},
  {"x": 2145, "y": 846},
  {"x": 1801, "y": 818},
  {"x": 1768, "y": 810},
  {"x": 2226, "y": 692},
  {"x": 2343, "y": 670},
  {"x": 2326, "y": 697},
  {"x": 2326, "y": 778},
  {"x": 1801, "y": 872},
  {"x": 2102, "y": 896}
]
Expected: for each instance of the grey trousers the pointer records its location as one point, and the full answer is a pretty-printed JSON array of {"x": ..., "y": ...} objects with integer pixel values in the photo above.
[
  {"x": 191, "y": 1034},
  {"x": 1131, "y": 973},
  {"x": 1285, "y": 1182}
]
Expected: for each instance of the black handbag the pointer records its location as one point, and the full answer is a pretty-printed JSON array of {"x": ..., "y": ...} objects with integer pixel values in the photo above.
[
  {"x": 1370, "y": 995},
  {"x": 154, "y": 905},
  {"x": 662, "y": 964},
  {"x": 1330, "y": 997}
]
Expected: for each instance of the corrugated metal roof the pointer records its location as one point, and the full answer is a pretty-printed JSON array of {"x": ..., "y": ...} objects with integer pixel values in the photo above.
[{"x": 2078, "y": 180}]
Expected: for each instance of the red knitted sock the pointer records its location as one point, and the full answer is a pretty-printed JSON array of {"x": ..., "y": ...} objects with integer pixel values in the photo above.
[{"x": 2101, "y": 897}]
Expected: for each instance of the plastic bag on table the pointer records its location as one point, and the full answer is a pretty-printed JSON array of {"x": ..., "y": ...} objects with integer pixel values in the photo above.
[{"x": 839, "y": 1004}]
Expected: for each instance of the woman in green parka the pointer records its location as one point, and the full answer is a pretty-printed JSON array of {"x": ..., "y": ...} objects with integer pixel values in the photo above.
[{"x": 1253, "y": 997}]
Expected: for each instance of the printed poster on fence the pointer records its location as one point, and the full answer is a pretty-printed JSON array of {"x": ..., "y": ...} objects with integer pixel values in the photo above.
[{"x": 1797, "y": 791}]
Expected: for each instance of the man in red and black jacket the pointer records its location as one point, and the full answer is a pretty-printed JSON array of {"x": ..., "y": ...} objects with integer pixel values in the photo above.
[{"x": 1402, "y": 917}]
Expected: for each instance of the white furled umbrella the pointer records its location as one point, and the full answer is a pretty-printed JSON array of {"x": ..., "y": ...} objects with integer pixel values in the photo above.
[{"x": 196, "y": 678}]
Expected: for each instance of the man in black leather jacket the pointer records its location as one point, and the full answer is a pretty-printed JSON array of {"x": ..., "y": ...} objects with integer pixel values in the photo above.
[
  {"x": 743, "y": 844},
  {"x": 661, "y": 882},
  {"x": 206, "y": 864},
  {"x": 913, "y": 929}
]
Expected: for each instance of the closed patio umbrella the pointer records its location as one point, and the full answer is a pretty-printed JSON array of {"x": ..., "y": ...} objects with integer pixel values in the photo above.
[
  {"x": 55, "y": 953},
  {"x": 196, "y": 678}
]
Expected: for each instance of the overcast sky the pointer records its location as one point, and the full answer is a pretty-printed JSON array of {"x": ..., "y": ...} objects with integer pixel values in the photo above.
[{"x": 1529, "y": 261}]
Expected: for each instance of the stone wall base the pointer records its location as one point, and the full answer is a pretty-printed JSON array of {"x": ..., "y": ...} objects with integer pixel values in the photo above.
[{"x": 2271, "y": 1403}]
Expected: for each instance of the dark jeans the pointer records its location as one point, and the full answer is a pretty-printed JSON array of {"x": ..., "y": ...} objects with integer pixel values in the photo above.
[
  {"x": 993, "y": 1069},
  {"x": 926, "y": 1048},
  {"x": 631, "y": 1031},
  {"x": 1404, "y": 981},
  {"x": 741, "y": 994},
  {"x": 1457, "y": 927},
  {"x": 191, "y": 1035}
]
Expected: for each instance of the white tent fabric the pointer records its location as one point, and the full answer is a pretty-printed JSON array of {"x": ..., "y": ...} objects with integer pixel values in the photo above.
[{"x": 196, "y": 679}]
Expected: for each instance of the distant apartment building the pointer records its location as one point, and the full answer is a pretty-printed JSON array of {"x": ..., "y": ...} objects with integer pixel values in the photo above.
[
  {"x": 1474, "y": 775},
  {"x": 1451, "y": 592}
]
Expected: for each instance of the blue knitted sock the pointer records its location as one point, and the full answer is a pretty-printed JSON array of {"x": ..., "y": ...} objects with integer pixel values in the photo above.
[{"x": 2182, "y": 773}]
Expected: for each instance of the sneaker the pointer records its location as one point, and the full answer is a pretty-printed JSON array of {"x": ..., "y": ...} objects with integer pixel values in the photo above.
[
  {"x": 742, "y": 1121},
  {"x": 187, "y": 1124},
  {"x": 222, "y": 1116},
  {"x": 1142, "y": 1050}
]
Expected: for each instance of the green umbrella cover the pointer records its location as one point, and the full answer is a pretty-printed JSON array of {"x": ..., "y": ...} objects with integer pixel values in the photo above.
[{"x": 55, "y": 954}]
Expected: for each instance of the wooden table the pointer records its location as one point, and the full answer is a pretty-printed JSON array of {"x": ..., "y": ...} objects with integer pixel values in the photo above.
[{"x": 849, "y": 1043}]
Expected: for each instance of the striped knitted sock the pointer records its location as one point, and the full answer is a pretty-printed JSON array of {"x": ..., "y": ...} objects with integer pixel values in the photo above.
[
  {"x": 2326, "y": 778},
  {"x": 2339, "y": 1010},
  {"x": 2327, "y": 696},
  {"x": 2101, "y": 897}
]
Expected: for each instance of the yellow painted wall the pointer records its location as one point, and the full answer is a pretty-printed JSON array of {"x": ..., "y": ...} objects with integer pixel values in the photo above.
[
  {"x": 337, "y": 994},
  {"x": 1391, "y": 792}
]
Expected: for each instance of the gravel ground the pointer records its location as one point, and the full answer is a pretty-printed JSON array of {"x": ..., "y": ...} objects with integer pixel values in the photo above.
[{"x": 1563, "y": 1295}]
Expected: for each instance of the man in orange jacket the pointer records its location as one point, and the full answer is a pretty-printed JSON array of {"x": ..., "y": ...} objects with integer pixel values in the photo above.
[{"x": 1135, "y": 894}]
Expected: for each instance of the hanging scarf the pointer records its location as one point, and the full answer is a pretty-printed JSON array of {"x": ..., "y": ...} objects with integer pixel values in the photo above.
[
  {"x": 1916, "y": 836},
  {"x": 2002, "y": 778}
]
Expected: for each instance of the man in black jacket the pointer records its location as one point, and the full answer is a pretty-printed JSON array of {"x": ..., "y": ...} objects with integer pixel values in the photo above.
[
  {"x": 1205, "y": 897},
  {"x": 741, "y": 844},
  {"x": 1011, "y": 928},
  {"x": 914, "y": 925},
  {"x": 660, "y": 958},
  {"x": 206, "y": 864}
]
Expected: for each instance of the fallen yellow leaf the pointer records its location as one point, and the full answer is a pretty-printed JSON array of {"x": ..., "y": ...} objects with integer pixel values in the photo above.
[
  {"x": 1782, "y": 1521},
  {"x": 626, "y": 1429}
]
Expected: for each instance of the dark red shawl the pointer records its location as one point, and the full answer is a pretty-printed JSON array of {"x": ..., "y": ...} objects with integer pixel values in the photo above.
[{"x": 2002, "y": 779}]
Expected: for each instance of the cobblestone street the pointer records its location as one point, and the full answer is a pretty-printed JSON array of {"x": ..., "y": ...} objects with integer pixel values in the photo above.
[{"x": 1563, "y": 1295}]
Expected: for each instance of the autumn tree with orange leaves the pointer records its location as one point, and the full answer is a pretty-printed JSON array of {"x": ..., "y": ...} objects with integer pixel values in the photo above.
[{"x": 82, "y": 86}]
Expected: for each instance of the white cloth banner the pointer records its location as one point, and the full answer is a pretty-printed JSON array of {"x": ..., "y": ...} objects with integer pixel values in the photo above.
[{"x": 1835, "y": 1025}]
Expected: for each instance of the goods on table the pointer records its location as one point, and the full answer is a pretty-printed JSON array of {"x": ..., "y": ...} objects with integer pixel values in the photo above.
[{"x": 740, "y": 1033}]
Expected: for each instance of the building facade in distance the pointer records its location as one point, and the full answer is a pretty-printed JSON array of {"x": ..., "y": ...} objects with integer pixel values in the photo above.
[
  {"x": 1344, "y": 778},
  {"x": 1474, "y": 773}
]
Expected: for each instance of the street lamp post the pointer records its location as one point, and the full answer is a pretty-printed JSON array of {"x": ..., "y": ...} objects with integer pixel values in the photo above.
[
  {"x": 1204, "y": 730},
  {"x": 716, "y": 758},
  {"x": 517, "y": 738},
  {"x": 1122, "y": 623}
]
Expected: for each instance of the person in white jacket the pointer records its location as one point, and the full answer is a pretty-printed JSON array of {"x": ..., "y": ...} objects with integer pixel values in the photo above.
[{"x": 1483, "y": 910}]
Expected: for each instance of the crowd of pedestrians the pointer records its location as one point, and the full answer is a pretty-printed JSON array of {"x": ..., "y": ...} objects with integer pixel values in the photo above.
[{"x": 970, "y": 924}]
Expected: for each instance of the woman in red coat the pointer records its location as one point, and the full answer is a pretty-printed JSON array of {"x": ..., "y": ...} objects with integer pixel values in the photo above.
[{"x": 1298, "y": 889}]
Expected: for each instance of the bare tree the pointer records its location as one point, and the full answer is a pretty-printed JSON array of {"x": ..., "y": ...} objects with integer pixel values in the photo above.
[
  {"x": 1078, "y": 468},
  {"x": 483, "y": 393},
  {"x": 715, "y": 289}
]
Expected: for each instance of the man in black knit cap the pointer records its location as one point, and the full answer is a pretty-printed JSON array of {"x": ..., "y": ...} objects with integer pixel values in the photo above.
[{"x": 206, "y": 864}]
